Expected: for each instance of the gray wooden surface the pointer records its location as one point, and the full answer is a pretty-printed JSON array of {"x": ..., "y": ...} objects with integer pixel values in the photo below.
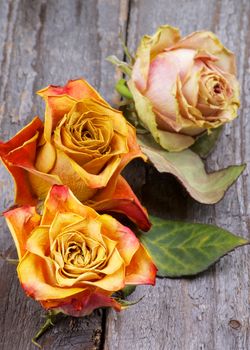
[{"x": 44, "y": 42}]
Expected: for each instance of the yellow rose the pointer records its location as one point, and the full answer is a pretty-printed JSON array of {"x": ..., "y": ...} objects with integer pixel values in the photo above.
[
  {"x": 84, "y": 144},
  {"x": 71, "y": 258},
  {"x": 183, "y": 86}
]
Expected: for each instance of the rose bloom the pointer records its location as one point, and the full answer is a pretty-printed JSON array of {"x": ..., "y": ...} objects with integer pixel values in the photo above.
[
  {"x": 84, "y": 144},
  {"x": 71, "y": 258},
  {"x": 183, "y": 86}
]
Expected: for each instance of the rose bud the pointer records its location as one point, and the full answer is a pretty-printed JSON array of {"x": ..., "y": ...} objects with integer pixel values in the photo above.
[
  {"x": 183, "y": 87},
  {"x": 73, "y": 259},
  {"x": 84, "y": 144}
]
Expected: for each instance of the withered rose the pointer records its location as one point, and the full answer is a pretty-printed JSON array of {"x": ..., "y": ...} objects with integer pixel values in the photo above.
[
  {"x": 84, "y": 144},
  {"x": 183, "y": 86},
  {"x": 73, "y": 259}
]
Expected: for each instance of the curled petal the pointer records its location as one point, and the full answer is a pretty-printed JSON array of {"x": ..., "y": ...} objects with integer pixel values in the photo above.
[
  {"x": 162, "y": 77},
  {"x": 128, "y": 243},
  {"x": 38, "y": 242},
  {"x": 21, "y": 137},
  {"x": 172, "y": 142},
  {"x": 81, "y": 182},
  {"x": 21, "y": 222},
  {"x": 78, "y": 89},
  {"x": 124, "y": 201},
  {"x": 56, "y": 108},
  {"x": 149, "y": 47},
  {"x": 23, "y": 191},
  {"x": 209, "y": 42},
  {"x": 85, "y": 303},
  {"x": 141, "y": 270},
  {"x": 36, "y": 183},
  {"x": 60, "y": 199},
  {"x": 36, "y": 275},
  {"x": 112, "y": 282},
  {"x": 60, "y": 99},
  {"x": 134, "y": 150},
  {"x": 21, "y": 150}
]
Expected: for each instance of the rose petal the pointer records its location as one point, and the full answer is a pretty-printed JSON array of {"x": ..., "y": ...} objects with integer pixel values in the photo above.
[
  {"x": 78, "y": 89},
  {"x": 60, "y": 99},
  {"x": 86, "y": 303},
  {"x": 141, "y": 270},
  {"x": 60, "y": 199},
  {"x": 122, "y": 200},
  {"x": 148, "y": 117},
  {"x": 22, "y": 136},
  {"x": 82, "y": 183},
  {"x": 165, "y": 36},
  {"x": 21, "y": 222},
  {"x": 46, "y": 157},
  {"x": 22, "y": 144},
  {"x": 113, "y": 282},
  {"x": 38, "y": 242},
  {"x": 23, "y": 191},
  {"x": 162, "y": 77},
  {"x": 209, "y": 42},
  {"x": 190, "y": 87},
  {"x": 128, "y": 243},
  {"x": 37, "y": 279},
  {"x": 56, "y": 108}
]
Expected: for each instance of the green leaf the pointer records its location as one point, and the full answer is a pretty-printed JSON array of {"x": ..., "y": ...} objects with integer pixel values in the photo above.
[
  {"x": 185, "y": 249},
  {"x": 205, "y": 143},
  {"x": 189, "y": 169},
  {"x": 123, "y": 66},
  {"x": 121, "y": 87},
  {"x": 125, "y": 303}
]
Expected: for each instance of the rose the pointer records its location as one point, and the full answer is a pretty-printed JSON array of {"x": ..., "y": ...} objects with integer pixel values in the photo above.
[
  {"x": 84, "y": 144},
  {"x": 71, "y": 258},
  {"x": 183, "y": 86}
]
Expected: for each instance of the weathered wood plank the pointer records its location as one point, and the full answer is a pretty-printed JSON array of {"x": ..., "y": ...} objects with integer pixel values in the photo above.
[
  {"x": 212, "y": 311},
  {"x": 43, "y": 42}
]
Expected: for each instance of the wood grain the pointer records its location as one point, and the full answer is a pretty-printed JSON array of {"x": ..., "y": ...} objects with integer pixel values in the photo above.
[
  {"x": 41, "y": 43},
  {"x": 212, "y": 311},
  {"x": 44, "y": 42}
]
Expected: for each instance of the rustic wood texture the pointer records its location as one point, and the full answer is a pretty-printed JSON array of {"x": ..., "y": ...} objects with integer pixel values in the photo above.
[{"x": 44, "y": 42}]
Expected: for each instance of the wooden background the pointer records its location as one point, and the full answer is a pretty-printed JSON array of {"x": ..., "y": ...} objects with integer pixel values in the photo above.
[{"x": 43, "y": 42}]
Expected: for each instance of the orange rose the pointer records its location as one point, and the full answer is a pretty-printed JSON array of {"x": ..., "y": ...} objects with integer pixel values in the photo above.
[
  {"x": 71, "y": 258},
  {"x": 84, "y": 144}
]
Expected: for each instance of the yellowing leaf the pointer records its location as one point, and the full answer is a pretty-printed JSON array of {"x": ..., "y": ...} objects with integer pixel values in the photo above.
[
  {"x": 185, "y": 249},
  {"x": 189, "y": 169}
]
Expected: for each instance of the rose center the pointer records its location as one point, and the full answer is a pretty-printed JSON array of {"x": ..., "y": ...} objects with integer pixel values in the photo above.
[
  {"x": 75, "y": 255},
  {"x": 86, "y": 134},
  {"x": 217, "y": 88}
]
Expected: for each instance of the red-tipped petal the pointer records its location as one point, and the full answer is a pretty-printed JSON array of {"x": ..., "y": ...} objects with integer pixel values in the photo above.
[
  {"x": 86, "y": 303},
  {"x": 21, "y": 222},
  {"x": 141, "y": 270},
  {"x": 59, "y": 200},
  {"x": 78, "y": 89},
  {"x": 124, "y": 201},
  {"x": 21, "y": 149},
  {"x": 21, "y": 137},
  {"x": 23, "y": 191}
]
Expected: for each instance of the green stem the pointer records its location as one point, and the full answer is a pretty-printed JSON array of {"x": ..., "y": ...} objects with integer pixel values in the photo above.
[
  {"x": 51, "y": 318},
  {"x": 123, "y": 90},
  {"x": 47, "y": 324}
]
